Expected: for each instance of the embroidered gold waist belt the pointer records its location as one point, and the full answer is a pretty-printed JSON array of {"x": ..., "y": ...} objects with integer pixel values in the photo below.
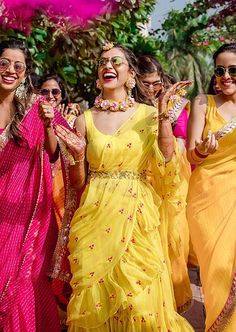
[{"x": 117, "y": 175}]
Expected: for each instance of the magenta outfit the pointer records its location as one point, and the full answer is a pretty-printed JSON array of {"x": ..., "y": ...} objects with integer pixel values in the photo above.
[
  {"x": 28, "y": 232},
  {"x": 180, "y": 129}
]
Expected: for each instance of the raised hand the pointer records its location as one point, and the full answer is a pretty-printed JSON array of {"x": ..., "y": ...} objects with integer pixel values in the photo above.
[
  {"x": 46, "y": 113},
  {"x": 209, "y": 145},
  {"x": 75, "y": 142},
  {"x": 165, "y": 96}
]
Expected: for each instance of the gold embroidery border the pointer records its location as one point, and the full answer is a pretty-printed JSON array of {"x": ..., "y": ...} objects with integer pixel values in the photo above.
[{"x": 224, "y": 317}]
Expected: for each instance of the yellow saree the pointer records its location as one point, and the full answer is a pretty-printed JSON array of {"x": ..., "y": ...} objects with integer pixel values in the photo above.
[
  {"x": 211, "y": 213},
  {"x": 120, "y": 278}
]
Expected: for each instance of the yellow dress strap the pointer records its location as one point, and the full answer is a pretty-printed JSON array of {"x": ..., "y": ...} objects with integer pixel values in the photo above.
[{"x": 89, "y": 123}]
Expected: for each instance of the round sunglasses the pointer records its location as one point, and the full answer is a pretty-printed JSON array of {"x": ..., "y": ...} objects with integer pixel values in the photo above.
[
  {"x": 46, "y": 92},
  {"x": 220, "y": 71},
  {"x": 115, "y": 61},
  {"x": 19, "y": 67}
]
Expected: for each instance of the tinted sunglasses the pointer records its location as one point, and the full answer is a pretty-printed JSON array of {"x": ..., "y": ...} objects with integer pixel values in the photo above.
[
  {"x": 154, "y": 85},
  {"x": 220, "y": 71},
  {"x": 115, "y": 61},
  {"x": 46, "y": 92},
  {"x": 19, "y": 67}
]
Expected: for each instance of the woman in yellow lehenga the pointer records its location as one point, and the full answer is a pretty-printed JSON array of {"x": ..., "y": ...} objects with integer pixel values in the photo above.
[
  {"x": 211, "y": 199},
  {"x": 156, "y": 81},
  {"x": 120, "y": 281}
]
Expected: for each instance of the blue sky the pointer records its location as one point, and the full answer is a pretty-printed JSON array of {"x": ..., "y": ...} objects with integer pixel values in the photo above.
[{"x": 162, "y": 9}]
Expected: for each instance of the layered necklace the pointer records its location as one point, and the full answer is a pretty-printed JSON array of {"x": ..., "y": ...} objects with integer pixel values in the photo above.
[{"x": 112, "y": 105}]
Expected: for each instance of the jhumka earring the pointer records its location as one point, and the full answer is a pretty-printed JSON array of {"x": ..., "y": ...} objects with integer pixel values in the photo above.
[
  {"x": 20, "y": 91},
  {"x": 130, "y": 84}
]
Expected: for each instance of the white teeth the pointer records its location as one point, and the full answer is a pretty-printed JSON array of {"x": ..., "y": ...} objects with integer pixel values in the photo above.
[
  {"x": 9, "y": 79},
  {"x": 109, "y": 75}
]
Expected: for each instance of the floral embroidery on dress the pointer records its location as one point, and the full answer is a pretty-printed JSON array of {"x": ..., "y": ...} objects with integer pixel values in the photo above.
[
  {"x": 108, "y": 230},
  {"x": 121, "y": 211},
  {"x": 98, "y": 305},
  {"x": 91, "y": 274},
  {"x": 129, "y": 145},
  {"x": 109, "y": 259},
  {"x": 92, "y": 246},
  {"x": 112, "y": 296}
]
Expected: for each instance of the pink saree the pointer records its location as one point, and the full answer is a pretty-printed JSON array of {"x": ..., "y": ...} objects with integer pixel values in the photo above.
[{"x": 28, "y": 231}]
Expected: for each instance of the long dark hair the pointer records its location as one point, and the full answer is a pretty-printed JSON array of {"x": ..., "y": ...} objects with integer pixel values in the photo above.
[
  {"x": 20, "y": 104},
  {"x": 58, "y": 79},
  {"x": 138, "y": 91},
  {"x": 224, "y": 48}
]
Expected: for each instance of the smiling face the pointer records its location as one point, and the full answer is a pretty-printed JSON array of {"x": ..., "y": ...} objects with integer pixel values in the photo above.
[
  {"x": 113, "y": 70},
  {"x": 11, "y": 76},
  {"x": 52, "y": 92},
  {"x": 226, "y": 82},
  {"x": 152, "y": 83}
]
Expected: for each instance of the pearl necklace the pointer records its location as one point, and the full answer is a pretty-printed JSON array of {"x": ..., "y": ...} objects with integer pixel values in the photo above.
[{"x": 113, "y": 106}]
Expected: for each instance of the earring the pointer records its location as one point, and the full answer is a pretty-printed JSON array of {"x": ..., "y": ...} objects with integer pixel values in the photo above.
[
  {"x": 98, "y": 85},
  {"x": 20, "y": 91},
  {"x": 130, "y": 84}
]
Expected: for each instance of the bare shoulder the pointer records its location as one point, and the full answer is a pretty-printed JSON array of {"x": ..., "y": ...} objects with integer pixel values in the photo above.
[
  {"x": 199, "y": 104},
  {"x": 80, "y": 124}
]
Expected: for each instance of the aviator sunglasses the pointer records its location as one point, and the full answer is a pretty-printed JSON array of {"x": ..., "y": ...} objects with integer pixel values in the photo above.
[
  {"x": 19, "y": 67},
  {"x": 115, "y": 61},
  {"x": 220, "y": 71},
  {"x": 46, "y": 92}
]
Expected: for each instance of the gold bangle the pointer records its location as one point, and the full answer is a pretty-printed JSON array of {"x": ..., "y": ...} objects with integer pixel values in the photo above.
[
  {"x": 79, "y": 161},
  {"x": 74, "y": 162}
]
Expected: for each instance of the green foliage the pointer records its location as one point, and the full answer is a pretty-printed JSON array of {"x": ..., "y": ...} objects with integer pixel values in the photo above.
[{"x": 70, "y": 51}]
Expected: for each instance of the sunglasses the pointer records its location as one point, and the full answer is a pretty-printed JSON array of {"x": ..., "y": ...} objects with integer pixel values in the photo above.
[
  {"x": 46, "y": 92},
  {"x": 115, "y": 61},
  {"x": 19, "y": 67},
  {"x": 155, "y": 85},
  {"x": 220, "y": 71}
]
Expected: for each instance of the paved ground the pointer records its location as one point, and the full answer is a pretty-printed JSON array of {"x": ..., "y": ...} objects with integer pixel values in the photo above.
[{"x": 196, "y": 315}]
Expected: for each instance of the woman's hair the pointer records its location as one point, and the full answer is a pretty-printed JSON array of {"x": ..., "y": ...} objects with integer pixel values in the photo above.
[
  {"x": 20, "y": 104},
  {"x": 139, "y": 91},
  {"x": 224, "y": 48},
  {"x": 58, "y": 79},
  {"x": 148, "y": 64},
  {"x": 212, "y": 83}
]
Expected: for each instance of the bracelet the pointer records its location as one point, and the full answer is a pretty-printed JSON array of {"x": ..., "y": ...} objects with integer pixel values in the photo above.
[
  {"x": 79, "y": 161},
  {"x": 163, "y": 116},
  {"x": 73, "y": 162},
  {"x": 199, "y": 154}
]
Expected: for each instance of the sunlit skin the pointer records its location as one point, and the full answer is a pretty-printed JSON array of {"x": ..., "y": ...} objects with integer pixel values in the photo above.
[
  {"x": 9, "y": 81},
  {"x": 52, "y": 84},
  {"x": 226, "y": 105}
]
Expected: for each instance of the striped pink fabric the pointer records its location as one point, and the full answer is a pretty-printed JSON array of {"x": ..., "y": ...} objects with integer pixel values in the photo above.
[{"x": 28, "y": 233}]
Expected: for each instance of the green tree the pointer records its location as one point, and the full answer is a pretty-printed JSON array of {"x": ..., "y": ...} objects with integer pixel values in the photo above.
[{"x": 71, "y": 50}]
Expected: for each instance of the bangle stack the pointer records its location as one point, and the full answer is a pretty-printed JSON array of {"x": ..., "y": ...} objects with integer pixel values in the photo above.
[{"x": 197, "y": 156}]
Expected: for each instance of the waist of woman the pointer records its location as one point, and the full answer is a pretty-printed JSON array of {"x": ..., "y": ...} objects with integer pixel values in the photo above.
[{"x": 122, "y": 174}]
